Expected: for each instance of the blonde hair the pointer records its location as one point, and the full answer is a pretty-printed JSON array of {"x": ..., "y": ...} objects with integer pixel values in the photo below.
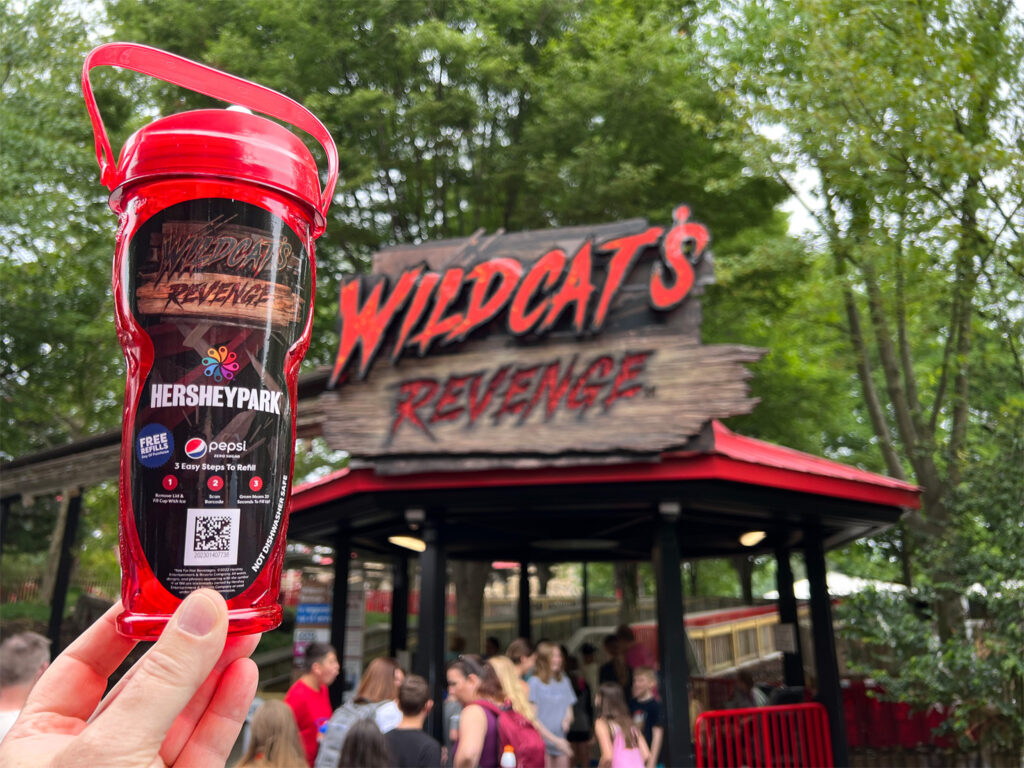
[
  {"x": 543, "y": 669},
  {"x": 513, "y": 687},
  {"x": 274, "y": 738}
]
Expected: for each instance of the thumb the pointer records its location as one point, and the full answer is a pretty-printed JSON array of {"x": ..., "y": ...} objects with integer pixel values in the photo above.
[{"x": 164, "y": 681}]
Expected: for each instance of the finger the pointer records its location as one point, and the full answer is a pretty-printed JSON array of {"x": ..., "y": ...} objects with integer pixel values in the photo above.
[
  {"x": 84, "y": 668},
  {"x": 211, "y": 741},
  {"x": 238, "y": 647},
  {"x": 165, "y": 678}
]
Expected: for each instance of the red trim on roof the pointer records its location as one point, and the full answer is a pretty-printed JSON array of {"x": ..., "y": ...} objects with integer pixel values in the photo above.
[
  {"x": 734, "y": 459},
  {"x": 753, "y": 451}
]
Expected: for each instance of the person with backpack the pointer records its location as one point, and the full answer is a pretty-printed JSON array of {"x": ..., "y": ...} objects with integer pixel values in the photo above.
[
  {"x": 528, "y": 742},
  {"x": 374, "y": 699},
  {"x": 477, "y": 744},
  {"x": 622, "y": 744}
]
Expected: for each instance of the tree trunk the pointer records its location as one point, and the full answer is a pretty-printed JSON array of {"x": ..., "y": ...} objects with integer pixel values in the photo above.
[
  {"x": 544, "y": 574},
  {"x": 53, "y": 553},
  {"x": 626, "y": 581},
  {"x": 744, "y": 566},
  {"x": 469, "y": 579}
]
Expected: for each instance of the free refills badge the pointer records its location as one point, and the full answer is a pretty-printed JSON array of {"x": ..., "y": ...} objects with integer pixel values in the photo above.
[{"x": 154, "y": 445}]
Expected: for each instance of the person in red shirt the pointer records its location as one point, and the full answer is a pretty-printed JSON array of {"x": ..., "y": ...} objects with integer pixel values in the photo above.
[{"x": 308, "y": 695}]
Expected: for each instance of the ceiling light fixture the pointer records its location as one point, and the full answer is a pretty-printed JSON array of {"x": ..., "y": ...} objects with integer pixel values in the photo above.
[
  {"x": 408, "y": 542},
  {"x": 752, "y": 538}
]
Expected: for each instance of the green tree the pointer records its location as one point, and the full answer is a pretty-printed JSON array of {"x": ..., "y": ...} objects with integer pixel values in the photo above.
[
  {"x": 60, "y": 368},
  {"x": 456, "y": 116},
  {"x": 908, "y": 117}
]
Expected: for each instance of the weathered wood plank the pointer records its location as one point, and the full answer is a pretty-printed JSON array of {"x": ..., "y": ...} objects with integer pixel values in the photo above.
[{"x": 636, "y": 392}]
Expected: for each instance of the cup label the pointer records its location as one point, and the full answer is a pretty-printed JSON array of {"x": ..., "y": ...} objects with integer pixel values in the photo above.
[{"x": 222, "y": 290}]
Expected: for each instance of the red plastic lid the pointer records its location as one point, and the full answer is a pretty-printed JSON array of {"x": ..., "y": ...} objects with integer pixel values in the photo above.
[{"x": 224, "y": 144}]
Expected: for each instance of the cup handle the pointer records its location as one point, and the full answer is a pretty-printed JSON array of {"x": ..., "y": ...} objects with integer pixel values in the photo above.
[{"x": 200, "y": 78}]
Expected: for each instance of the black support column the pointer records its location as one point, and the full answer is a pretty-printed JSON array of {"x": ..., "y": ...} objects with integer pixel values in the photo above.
[
  {"x": 524, "y": 600},
  {"x": 339, "y": 610},
  {"x": 400, "y": 605},
  {"x": 5, "y": 515},
  {"x": 586, "y": 598},
  {"x": 792, "y": 661},
  {"x": 826, "y": 664},
  {"x": 64, "y": 563},
  {"x": 675, "y": 666},
  {"x": 430, "y": 631}
]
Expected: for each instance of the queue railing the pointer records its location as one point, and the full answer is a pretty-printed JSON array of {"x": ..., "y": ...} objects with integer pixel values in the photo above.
[{"x": 793, "y": 736}]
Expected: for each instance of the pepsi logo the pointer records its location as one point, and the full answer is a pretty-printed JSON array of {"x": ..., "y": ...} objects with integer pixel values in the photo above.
[{"x": 195, "y": 448}]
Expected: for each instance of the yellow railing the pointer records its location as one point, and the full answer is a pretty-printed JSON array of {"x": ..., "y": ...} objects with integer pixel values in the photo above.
[{"x": 721, "y": 646}]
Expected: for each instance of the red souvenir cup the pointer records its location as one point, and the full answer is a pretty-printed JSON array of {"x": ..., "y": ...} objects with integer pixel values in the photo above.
[{"x": 213, "y": 284}]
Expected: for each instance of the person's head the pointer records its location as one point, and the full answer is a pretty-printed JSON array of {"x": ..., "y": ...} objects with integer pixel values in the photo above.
[
  {"x": 522, "y": 654},
  {"x": 414, "y": 696},
  {"x": 745, "y": 680},
  {"x": 625, "y": 635},
  {"x": 457, "y": 644},
  {"x": 490, "y": 685},
  {"x": 23, "y": 659},
  {"x": 611, "y": 645},
  {"x": 610, "y": 704},
  {"x": 378, "y": 681},
  {"x": 274, "y": 734},
  {"x": 364, "y": 746},
  {"x": 549, "y": 662},
  {"x": 643, "y": 682},
  {"x": 491, "y": 646},
  {"x": 399, "y": 675},
  {"x": 587, "y": 651},
  {"x": 463, "y": 679},
  {"x": 321, "y": 661}
]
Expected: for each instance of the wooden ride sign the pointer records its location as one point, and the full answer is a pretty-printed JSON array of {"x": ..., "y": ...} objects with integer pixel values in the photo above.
[{"x": 582, "y": 340}]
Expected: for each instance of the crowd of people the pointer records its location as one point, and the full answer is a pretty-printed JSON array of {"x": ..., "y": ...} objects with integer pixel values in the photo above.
[
  {"x": 188, "y": 696},
  {"x": 550, "y": 708}
]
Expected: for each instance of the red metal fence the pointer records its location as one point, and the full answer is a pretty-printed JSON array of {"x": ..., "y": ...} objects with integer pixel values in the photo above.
[
  {"x": 877, "y": 724},
  {"x": 792, "y": 735}
]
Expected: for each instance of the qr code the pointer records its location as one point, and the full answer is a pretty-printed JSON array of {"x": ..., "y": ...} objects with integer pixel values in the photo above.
[
  {"x": 211, "y": 537},
  {"x": 213, "y": 534}
]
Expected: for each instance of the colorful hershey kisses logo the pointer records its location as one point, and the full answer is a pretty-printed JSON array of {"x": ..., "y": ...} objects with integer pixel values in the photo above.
[{"x": 220, "y": 364}]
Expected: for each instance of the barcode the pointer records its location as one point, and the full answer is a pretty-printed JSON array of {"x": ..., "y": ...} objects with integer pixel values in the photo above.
[{"x": 211, "y": 537}]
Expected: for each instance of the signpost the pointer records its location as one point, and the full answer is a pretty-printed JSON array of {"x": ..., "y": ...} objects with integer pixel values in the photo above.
[{"x": 529, "y": 348}]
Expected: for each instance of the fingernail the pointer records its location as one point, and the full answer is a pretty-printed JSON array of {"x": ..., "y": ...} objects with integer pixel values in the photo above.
[{"x": 198, "y": 615}]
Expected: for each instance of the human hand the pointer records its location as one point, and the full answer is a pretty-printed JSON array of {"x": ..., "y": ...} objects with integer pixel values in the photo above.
[
  {"x": 563, "y": 746},
  {"x": 183, "y": 703}
]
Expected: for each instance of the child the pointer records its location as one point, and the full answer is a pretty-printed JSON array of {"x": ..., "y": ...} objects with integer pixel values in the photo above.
[
  {"x": 308, "y": 696},
  {"x": 622, "y": 745},
  {"x": 647, "y": 713},
  {"x": 409, "y": 746},
  {"x": 553, "y": 696},
  {"x": 275, "y": 739}
]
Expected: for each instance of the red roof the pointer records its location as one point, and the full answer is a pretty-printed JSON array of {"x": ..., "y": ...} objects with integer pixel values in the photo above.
[{"x": 734, "y": 458}]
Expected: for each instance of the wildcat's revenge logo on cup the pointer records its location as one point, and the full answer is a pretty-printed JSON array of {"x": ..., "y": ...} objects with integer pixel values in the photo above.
[{"x": 220, "y": 266}]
